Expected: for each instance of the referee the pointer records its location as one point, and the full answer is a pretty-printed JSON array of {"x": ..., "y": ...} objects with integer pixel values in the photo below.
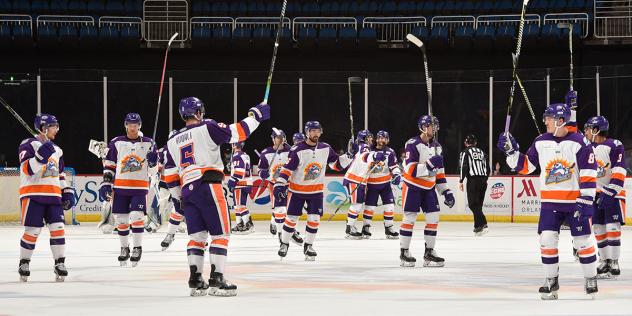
[{"x": 473, "y": 165}]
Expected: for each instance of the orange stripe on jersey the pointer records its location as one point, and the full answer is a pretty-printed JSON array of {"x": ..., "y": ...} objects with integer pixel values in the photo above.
[
  {"x": 571, "y": 129},
  {"x": 407, "y": 226},
  {"x": 171, "y": 178},
  {"x": 587, "y": 251},
  {"x": 380, "y": 179},
  {"x": 286, "y": 172},
  {"x": 614, "y": 234},
  {"x": 25, "y": 204},
  {"x": 618, "y": 176},
  {"x": 239, "y": 173},
  {"x": 355, "y": 178},
  {"x": 418, "y": 181},
  {"x": 57, "y": 233},
  {"x": 306, "y": 187},
  {"x": 525, "y": 166},
  {"x": 549, "y": 252},
  {"x": 193, "y": 243},
  {"x": 404, "y": 194},
  {"x": 25, "y": 167},
  {"x": 601, "y": 237},
  {"x": 223, "y": 208},
  {"x": 440, "y": 175},
  {"x": 29, "y": 238},
  {"x": 40, "y": 188},
  {"x": 587, "y": 179},
  {"x": 221, "y": 242},
  {"x": 138, "y": 223},
  {"x": 131, "y": 183},
  {"x": 313, "y": 225},
  {"x": 241, "y": 132},
  {"x": 560, "y": 195}
]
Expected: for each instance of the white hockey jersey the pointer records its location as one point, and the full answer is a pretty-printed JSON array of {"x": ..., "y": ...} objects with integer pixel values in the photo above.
[
  {"x": 42, "y": 182},
  {"x": 126, "y": 160},
  {"x": 611, "y": 171}
]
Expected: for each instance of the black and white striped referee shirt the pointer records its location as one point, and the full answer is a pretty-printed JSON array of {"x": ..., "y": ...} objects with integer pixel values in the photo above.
[{"x": 473, "y": 163}]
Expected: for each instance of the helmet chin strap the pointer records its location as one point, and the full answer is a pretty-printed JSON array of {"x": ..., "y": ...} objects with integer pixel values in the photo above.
[{"x": 558, "y": 127}]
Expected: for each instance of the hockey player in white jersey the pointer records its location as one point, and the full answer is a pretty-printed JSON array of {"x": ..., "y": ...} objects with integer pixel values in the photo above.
[
  {"x": 355, "y": 182},
  {"x": 167, "y": 203},
  {"x": 303, "y": 177},
  {"x": 194, "y": 174},
  {"x": 567, "y": 190},
  {"x": 240, "y": 185},
  {"x": 44, "y": 195},
  {"x": 424, "y": 176},
  {"x": 610, "y": 201},
  {"x": 126, "y": 183},
  {"x": 379, "y": 187}
]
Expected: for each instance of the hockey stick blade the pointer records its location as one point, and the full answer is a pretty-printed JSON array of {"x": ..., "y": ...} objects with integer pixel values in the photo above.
[
  {"x": 413, "y": 39},
  {"x": 173, "y": 37}
]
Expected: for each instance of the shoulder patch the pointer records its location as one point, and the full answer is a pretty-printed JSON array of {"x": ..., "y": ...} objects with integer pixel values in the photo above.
[{"x": 617, "y": 142}]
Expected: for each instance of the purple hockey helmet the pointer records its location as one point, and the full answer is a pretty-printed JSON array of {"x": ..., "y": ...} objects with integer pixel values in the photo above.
[
  {"x": 43, "y": 120},
  {"x": 558, "y": 111},
  {"x": 363, "y": 136},
  {"x": 277, "y": 133},
  {"x": 427, "y": 120},
  {"x": 133, "y": 118},
  {"x": 312, "y": 125},
  {"x": 297, "y": 138},
  {"x": 384, "y": 134},
  {"x": 598, "y": 122},
  {"x": 189, "y": 108}
]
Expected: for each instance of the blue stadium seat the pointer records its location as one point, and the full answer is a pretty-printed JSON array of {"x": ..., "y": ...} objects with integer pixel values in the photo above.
[
  {"x": 505, "y": 6},
  {"x": 373, "y": 8},
  {"x": 348, "y": 38},
  {"x": 367, "y": 38},
  {"x": 200, "y": 8},
  {"x": 539, "y": 6},
  {"x": 21, "y": 6},
  {"x": 550, "y": 36},
  {"x": 96, "y": 7},
  {"x": 345, "y": 8},
  {"x": 439, "y": 38},
  {"x": 200, "y": 37},
  {"x": 69, "y": 36},
  {"x": 87, "y": 33},
  {"x": 114, "y": 7},
  {"x": 467, "y": 7},
  {"x": 5, "y": 36},
  {"x": 505, "y": 37},
  {"x": 40, "y": 7},
  {"x": 59, "y": 7},
  {"x": 108, "y": 35},
  {"x": 577, "y": 33},
  {"x": 484, "y": 38},
  {"x": 262, "y": 38},
  {"x": 311, "y": 8},
  {"x": 530, "y": 36},
  {"x": 293, "y": 9},
  {"x": 77, "y": 7},
  {"x": 464, "y": 37},
  {"x": 273, "y": 8},
  {"x": 327, "y": 38},
  {"x": 262, "y": 33},
  {"x": 221, "y": 37},
  {"x": 219, "y": 8},
  {"x": 558, "y": 6},
  {"x": 130, "y": 32},
  {"x": 484, "y": 6},
  {"x": 445, "y": 7},
  {"x": 258, "y": 8},
  {"x": 355, "y": 8},
  {"x": 389, "y": 8},
  {"x": 307, "y": 39},
  {"x": 238, "y": 8},
  {"x": 22, "y": 36},
  {"x": 5, "y": 6},
  {"x": 406, "y": 8},
  {"x": 242, "y": 38},
  {"x": 133, "y": 8},
  {"x": 46, "y": 36},
  {"x": 420, "y": 32}
]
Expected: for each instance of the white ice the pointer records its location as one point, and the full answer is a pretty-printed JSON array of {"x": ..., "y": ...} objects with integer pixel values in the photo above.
[{"x": 497, "y": 274}]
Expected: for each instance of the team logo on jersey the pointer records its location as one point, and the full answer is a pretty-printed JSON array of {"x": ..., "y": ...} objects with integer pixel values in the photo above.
[
  {"x": 558, "y": 170},
  {"x": 276, "y": 171},
  {"x": 131, "y": 163},
  {"x": 601, "y": 168},
  {"x": 312, "y": 171},
  {"x": 50, "y": 169},
  {"x": 380, "y": 168}
]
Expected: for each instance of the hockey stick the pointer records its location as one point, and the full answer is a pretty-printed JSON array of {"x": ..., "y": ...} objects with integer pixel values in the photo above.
[
  {"x": 515, "y": 58},
  {"x": 274, "y": 52},
  {"x": 569, "y": 26},
  {"x": 413, "y": 39},
  {"x": 162, "y": 83},
  {"x": 18, "y": 117},
  {"x": 526, "y": 100},
  {"x": 351, "y": 80},
  {"x": 364, "y": 179}
]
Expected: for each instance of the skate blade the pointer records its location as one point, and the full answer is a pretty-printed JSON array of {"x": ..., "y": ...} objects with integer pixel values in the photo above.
[
  {"x": 549, "y": 296},
  {"x": 220, "y": 292},
  {"x": 392, "y": 237},
  {"x": 592, "y": 296},
  {"x": 24, "y": 278},
  {"x": 135, "y": 263},
  {"x": 366, "y": 236},
  {"x": 248, "y": 232},
  {"x": 310, "y": 258},
  {"x": 296, "y": 242},
  {"x": 353, "y": 237},
  {"x": 123, "y": 263},
  {"x": 407, "y": 264},
  {"x": 198, "y": 292},
  {"x": 164, "y": 248},
  {"x": 603, "y": 276},
  {"x": 431, "y": 264},
  {"x": 60, "y": 278}
]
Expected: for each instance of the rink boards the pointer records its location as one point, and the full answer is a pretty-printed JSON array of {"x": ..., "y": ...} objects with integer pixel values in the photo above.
[{"x": 508, "y": 199}]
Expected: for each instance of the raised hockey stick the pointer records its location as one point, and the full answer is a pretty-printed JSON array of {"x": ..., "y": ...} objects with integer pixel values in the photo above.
[
  {"x": 162, "y": 83},
  {"x": 274, "y": 52},
  {"x": 351, "y": 80},
  {"x": 348, "y": 198},
  {"x": 526, "y": 100},
  {"x": 569, "y": 26},
  {"x": 515, "y": 58},
  {"x": 18, "y": 117},
  {"x": 413, "y": 39}
]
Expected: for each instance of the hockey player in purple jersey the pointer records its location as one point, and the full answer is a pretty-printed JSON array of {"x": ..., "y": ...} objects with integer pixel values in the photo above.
[
  {"x": 44, "y": 195},
  {"x": 355, "y": 181},
  {"x": 610, "y": 198},
  {"x": 194, "y": 174},
  {"x": 567, "y": 190},
  {"x": 240, "y": 185}
]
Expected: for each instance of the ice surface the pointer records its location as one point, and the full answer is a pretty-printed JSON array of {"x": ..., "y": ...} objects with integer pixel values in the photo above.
[{"x": 497, "y": 274}]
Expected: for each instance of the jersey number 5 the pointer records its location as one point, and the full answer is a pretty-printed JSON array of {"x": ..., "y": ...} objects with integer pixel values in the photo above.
[{"x": 186, "y": 155}]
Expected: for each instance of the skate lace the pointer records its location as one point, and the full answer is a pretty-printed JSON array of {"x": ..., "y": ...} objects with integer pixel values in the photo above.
[
  {"x": 614, "y": 264},
  {"x": 591, "y": 282},
  {"x": 24, "y": 267},
  {"x": 60, "y": 266},
  {"x": 136, "y": 252},
  {"x": 548, "y": 283}
]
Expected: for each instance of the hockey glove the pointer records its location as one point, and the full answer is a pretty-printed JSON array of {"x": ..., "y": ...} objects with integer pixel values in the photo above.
[
  {"x": 571, "y": 99},
  {"x": 606, "y": 199},
  {"x": 449, "y": 198},
  {"x": 434, "y": 163},
  {"x": 507, "y": 144},
  {"x": 260, "y": 112},
  {"x": 44, "y": 152},
  {"x": 280, "y": 191},
  {"x": 232, "y": 183},
  {"x": 397, "y": 179},
  {"x": 379, "y": 156},
  {"x": 352, "y": 148},
  {"x": 152, "y": 159},
  {"x": 105, "y": 191},
  {"x": 584, "y": 208},
  {"x": 68, "y": 198},
  {"x": 264, "y": 174}
]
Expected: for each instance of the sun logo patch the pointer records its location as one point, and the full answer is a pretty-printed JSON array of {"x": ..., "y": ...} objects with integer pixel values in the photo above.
[
  {"x": 50, "y": 169},
  {"x": 558, "y": 170},
  {"x": 131, "y": 163},
  {"x": 312, "y": 171},
  {"x": 602, "y": 168},
  {"x": 276, "y": 171}
]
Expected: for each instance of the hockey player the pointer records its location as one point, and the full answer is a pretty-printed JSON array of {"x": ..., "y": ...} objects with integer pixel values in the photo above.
[
  {"x": 304, "y": 174},
  {"x": 424, "y": 176},
  {"x": 567, "y": 190},
  {"x": 194, "y": 174},
  {"x": 610, "y": 201},
  {"x": 240, "y": 185},
  {"x": 355, "y": 182},
  {"x": 176, "y": 214},
  {"x": 44, "y": 195},
  {"x": 126, "y": 183},
  {"x": 297, "y": 138},
  {"x": 379, "y": 186},
  {"x": 271, "y": 162}
]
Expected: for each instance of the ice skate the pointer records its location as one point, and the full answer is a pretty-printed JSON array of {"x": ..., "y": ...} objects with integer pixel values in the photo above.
[
  {"x": 136, "y": 254},
  {"x": 310, "y": 253},
  {"x": 60, "y": 270},
  {"x": 353, "y": 233},
  {"x": 614, "y": 268},
  {"x": 283, "y": 250},
  {"x": 249, "y": 227},
  {"x": 167, "y": 241},
  {"x": 296, "y": 238},
  {"x": 390, "y": 232},
  {"x": 590, "y": 286},
  {"x": 366, "y": 231},
  {"x": 548, "y": 291},
  {"x": 431, "y": 259},
  {"x": 23, "y": 269},
  {"x": 406, "y": 260},
  {"x": 480, "y": 231},
  {"x": 603, "y": 270},
  {"x": 124, "y": 256},
  {"x": 219, "y": 286},
  {"x": 197, "y": 285}
]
